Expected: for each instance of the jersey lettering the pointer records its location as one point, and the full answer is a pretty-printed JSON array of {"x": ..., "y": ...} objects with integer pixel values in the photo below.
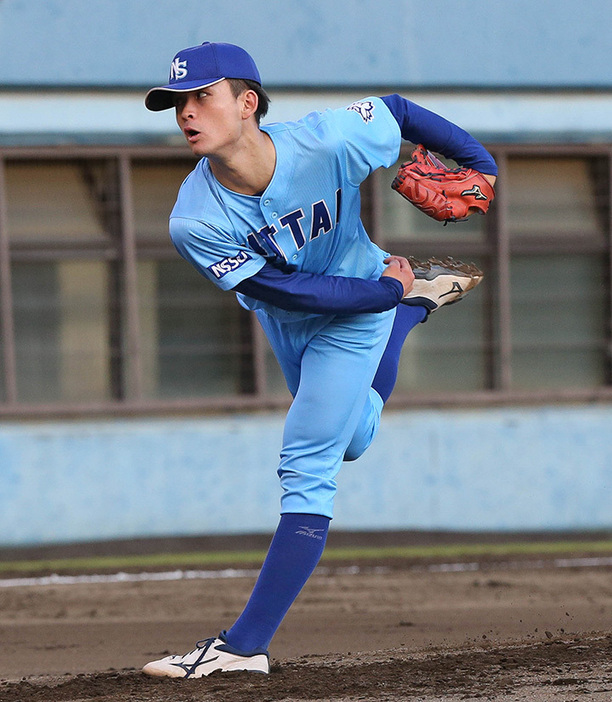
[
  {"x": 227, "y": 265},
  {"x": 292, "y": 220},
  {"x": 256, "y": 246},
  {"x": 264, "y": 243},
  {"x": 321, "y": 219}
]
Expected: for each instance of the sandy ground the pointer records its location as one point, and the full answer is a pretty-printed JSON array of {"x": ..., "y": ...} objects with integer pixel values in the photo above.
[{"x": 534, "y": 632}]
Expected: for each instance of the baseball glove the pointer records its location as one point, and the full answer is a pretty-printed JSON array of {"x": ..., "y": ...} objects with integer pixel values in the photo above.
[{"x": 446, "y": 194}]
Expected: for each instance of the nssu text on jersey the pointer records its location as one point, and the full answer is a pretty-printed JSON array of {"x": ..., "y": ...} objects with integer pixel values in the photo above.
[{"x": 227, "y": 265}]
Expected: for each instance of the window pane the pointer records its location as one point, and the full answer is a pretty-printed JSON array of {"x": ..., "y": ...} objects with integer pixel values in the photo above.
[
  {"x": 51, "y": 201},
  {"x": 155, "y": 186},
  {"x": 61, "y": 331},
  {"x": 558, "y": 321},
  {"x": 448, "y": 352},
  {"x": 191, "y": 333},
  {"x": 402, "y": 221},
  {"x": 552, "y": 196},
  {"x": 275, "y": 380},
  {"x": 2, "y": 375}
]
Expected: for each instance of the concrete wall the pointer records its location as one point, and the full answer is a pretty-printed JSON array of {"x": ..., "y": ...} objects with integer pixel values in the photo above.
[
  {"x": 495, "y": 469},
  {"x": 519, "y": 70},
  {"x": 404, "y": 43},
  {"x": 120, "y": 117},
  {"x": 506, "y": 71}
]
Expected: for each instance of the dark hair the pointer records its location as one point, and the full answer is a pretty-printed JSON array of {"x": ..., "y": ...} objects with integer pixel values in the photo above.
[{"x": 239, "y": 85}]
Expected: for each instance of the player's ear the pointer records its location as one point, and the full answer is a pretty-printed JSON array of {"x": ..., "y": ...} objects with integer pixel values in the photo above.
[{"x": 250, "y": 102}]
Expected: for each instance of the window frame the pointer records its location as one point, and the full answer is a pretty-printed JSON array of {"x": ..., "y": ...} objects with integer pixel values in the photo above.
[{"x": 496, "y": 248}]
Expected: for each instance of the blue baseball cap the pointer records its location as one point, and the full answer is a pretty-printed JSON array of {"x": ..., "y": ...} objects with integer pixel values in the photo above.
[{"x": 200, "y": 66}]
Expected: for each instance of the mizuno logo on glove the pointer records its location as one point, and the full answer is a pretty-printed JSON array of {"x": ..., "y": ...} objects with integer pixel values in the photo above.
[{"x": 476, "y": 192}]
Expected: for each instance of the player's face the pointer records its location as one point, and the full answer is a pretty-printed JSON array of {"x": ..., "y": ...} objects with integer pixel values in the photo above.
[{"x": 211, "y": 119}]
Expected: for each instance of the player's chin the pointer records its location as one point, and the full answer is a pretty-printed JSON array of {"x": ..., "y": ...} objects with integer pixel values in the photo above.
[
  {"x": 197, "y": 149},
  {"x": 194, "y": 142}
]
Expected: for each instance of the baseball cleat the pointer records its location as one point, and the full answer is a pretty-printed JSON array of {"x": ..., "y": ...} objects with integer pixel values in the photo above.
[
  {"x": 441, "y": 282},
  {"x": 209, "y": 656}
]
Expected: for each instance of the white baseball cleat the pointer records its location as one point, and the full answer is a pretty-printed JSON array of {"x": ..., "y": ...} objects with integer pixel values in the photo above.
[
  {"x": 441, "y": 282},
  {"x": 209, "y": 656}
]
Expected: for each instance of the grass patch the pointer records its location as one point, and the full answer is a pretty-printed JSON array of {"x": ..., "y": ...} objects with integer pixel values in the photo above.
[
  {"x": 231, "y": 559},
  {"x": 544, "y": 548}
]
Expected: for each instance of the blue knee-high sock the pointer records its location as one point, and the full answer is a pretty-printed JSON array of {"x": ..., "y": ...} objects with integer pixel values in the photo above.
[
  {"x": 294, "y": 553},
  {"x": 406, "y": 317}
]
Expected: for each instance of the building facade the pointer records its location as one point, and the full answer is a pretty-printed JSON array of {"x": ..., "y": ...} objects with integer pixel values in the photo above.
[{"x": 105, "y": 330}]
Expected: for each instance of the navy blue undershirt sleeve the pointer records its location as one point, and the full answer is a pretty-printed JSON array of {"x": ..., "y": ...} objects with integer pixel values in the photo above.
[
  {"x": 322, "y": 294},
  {"x": 421, "y": 126}
]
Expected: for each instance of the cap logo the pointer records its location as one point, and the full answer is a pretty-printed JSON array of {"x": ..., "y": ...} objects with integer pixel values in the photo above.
[
  {"x": 178, "y": 69},
  {"x": 196, "y": 67}
]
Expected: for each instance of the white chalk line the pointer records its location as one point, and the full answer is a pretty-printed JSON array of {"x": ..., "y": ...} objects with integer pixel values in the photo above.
[{"x": 231, "y": 573}]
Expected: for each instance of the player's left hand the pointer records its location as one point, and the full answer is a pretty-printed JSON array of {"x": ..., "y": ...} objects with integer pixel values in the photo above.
[{"x": 398, "y": 267}]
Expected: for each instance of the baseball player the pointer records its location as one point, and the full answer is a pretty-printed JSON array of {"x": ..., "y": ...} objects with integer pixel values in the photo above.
[{"x": 273, "y": 213}]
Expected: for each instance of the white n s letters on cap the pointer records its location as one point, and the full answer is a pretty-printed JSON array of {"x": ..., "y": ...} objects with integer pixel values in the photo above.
[{"x": 178, "y": 69}]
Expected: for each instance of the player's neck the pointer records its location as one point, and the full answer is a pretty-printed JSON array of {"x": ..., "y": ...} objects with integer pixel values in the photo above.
[{"x": 249, "y": 168}]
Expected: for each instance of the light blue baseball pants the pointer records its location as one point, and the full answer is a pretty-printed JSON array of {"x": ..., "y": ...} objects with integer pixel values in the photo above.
[{"x": 329, "y": 363}]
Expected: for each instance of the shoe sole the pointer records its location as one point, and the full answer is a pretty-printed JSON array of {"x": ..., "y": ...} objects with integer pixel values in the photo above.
[
  {"x": 255, "y": 664},
  {"x": 434, "y": 268},
  {"x": 445, "y": 266}
]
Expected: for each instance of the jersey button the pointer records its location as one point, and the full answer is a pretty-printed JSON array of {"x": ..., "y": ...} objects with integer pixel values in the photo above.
[
  {"x": 275, "y": 215},
  {"x": 266, "y": 202}
]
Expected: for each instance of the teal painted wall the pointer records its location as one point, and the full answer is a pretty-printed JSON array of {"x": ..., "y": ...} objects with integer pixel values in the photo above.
[
  {"x": 544, "y": 468},
  {"x": 402, "y": 43},
  {"x": 535, "y": 468}
]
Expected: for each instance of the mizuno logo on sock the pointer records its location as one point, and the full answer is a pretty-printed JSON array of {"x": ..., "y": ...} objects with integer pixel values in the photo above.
[{"x": 310, "y": 532}]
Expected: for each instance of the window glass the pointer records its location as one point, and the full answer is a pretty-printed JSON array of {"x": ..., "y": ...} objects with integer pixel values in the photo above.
[
  {"x": 275, "y": 380},
  {"x": 558, "y": 321},
  {"x": 3, "y": 397},
  {"x": 52, "y": 201},
  {"x": 196, "y": 341},
  {"x": 447, "y": 352},
  {"x": 155, "y": 186},
  {"x": 552, "y": 197},
  {"x": 192, "y": 342},
  {"x": 62, "y": 331},
  {"x": 402, "y": 221}
]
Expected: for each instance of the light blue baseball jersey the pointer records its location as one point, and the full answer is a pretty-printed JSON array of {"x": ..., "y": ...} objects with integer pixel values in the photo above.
[{"x": 309, "y": 215}]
